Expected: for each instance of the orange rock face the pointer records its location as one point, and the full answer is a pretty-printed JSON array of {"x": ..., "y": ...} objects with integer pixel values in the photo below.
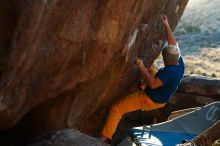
[{"x": 64, "y": 62}]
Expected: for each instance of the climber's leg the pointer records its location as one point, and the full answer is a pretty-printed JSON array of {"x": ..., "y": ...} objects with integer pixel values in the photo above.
[
  {"x": 136, "y": 101},
  {"x": 148, "y": 104},
  {"x": 128, "y": 104}
]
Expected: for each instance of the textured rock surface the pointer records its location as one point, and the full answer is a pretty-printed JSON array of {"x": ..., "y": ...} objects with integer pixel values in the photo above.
[
  {"x": 66, "y": 61},
  {"x": 195, "y": 90},
  {"x": 68, "y": 137},
  {"x": 201, "y": 85}
]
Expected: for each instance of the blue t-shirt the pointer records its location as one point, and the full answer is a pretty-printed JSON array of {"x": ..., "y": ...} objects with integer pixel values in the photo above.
[{"x": 171, "y": 77}]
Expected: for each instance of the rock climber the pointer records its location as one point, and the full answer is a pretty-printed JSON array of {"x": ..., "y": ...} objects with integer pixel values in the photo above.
[{"x": 158, "y": 88}]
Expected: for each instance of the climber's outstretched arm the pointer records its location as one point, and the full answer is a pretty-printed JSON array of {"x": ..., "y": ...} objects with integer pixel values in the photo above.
[{"x": 169, "y": 34}]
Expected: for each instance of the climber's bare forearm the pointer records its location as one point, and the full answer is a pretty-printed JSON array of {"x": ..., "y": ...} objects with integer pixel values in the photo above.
[
  {"x": 146, "y": 75},
  {"x": 149, "y": 79},
  {"x": 169, "y": 35}
]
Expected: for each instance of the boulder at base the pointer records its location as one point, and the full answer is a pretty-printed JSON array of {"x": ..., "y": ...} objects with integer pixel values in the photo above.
[
  {"x": 68, "y": 137},
  {"x": 201, "y": 85}
]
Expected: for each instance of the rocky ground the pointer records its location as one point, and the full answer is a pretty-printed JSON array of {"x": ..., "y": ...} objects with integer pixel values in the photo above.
[{"x": 68, "y": 137}]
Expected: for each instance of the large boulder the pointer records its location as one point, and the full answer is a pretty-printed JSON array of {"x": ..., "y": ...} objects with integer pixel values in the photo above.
[
  {"x": 67, "y": 137},
  {"x": 201, "y": 85},
  {"x": 194, "y": 91},
  {"x": 64, "y": 62}
]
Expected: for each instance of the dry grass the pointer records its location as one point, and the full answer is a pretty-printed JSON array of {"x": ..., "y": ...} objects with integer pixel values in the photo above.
[{"x": 207, "y": 63}]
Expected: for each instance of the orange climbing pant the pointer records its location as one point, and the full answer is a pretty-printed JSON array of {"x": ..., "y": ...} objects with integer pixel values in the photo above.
[{"x": 136, "y": 101}]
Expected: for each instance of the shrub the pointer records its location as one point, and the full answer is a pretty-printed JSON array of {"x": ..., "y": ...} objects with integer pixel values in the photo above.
[
  {"x": 191, "y": 28},
  {"x": 214, "y": 75}
]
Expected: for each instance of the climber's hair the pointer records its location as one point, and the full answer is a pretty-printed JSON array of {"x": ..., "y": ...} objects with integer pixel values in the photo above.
[{"x": 171, "y": 54}]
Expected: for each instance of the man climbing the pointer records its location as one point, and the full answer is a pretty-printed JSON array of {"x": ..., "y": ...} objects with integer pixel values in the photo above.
[{"x": 158, "y": 89}]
